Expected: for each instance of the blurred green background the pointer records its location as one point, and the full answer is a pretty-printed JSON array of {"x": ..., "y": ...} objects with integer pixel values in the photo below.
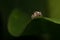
[{"x": 16, "y": 15}]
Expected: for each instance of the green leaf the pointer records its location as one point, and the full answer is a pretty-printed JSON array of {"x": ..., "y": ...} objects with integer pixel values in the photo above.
[
  {"x": 17, "y": 22},
  {"x": 43, "y": 27}
]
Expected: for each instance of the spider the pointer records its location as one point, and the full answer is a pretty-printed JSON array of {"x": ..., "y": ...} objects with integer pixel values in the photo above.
[{"x": 36, "y": 14}]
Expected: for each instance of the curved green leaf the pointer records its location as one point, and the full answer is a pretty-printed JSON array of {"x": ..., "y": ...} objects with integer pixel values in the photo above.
[
  {"x": 17, "y": 22},
  {"x": 43, "y": 27}
]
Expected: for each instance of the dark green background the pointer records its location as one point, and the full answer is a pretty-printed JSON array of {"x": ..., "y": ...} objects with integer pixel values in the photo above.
[{"x": 28, "y": 7}]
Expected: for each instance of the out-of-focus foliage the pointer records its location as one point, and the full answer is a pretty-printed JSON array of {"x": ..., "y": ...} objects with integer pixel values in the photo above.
[
  {"x": 54, "y": 9},
  {"x": 17, "y": 22},
  {"x": 19, "y": 18}
]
